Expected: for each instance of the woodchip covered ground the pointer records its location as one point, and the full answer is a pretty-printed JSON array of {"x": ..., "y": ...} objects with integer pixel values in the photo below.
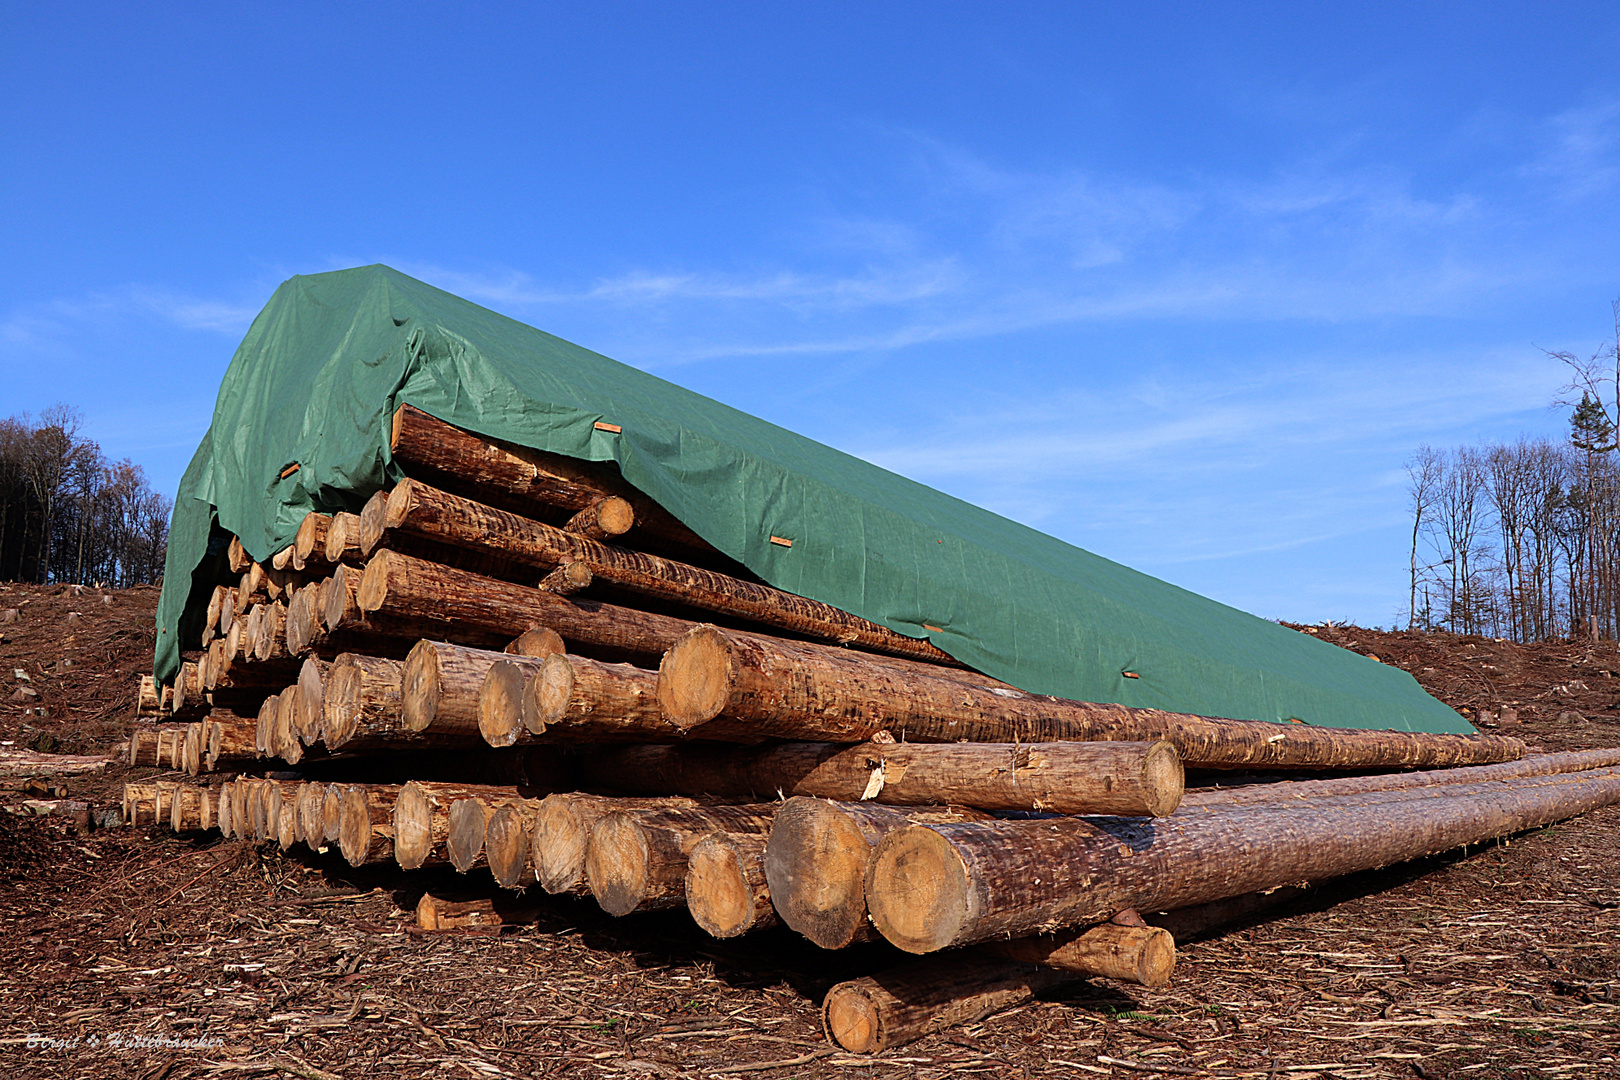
[{"x": 138, "y": 953}]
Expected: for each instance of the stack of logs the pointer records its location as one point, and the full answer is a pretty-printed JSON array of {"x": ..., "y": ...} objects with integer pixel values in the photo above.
[{"x": 517, "y": 661}]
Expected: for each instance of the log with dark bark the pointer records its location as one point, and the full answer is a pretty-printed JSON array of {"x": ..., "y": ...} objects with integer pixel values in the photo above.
[
  {"x": 1120, "y": 778},
  {"x": 561, "y": 828},
  {"x": 789, "y": 690},
  {"x": 726, "y": 891},
  {"x": 930, "y": 888},
  {"x": 816, "y": 858},
  {"x": 636, "y": 860},
  {"x": 418, "y": 510},
  {"x": 529, "y": 481},
  {"x": 567, "y": 579},
  {"x": 880, "y": 1012}
]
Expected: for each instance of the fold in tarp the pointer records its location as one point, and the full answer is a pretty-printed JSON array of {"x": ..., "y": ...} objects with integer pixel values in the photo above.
[{"x": 331, "y": 357}]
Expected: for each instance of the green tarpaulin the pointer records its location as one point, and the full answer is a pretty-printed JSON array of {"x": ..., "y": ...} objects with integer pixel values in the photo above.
[{"x": 332, "y": 355}]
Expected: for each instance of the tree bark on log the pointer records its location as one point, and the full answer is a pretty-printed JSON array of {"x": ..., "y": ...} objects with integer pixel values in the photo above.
[
  {"x": 230, "y": 739},
  {"x": 880, "y": 1012},
  {"x": 439, "y": 913},
  {"x": 1144, "y": 955},
  {"x": 816, "y": 858},
  {"x": 636, "y": 860},
  {"x": 442, "y": 685},
  {"x": 576, "y": 697},
  {"x": 418, "y": 510},
  {"x": 726, "y": 891},
  {"x": 788, "y": 690},
  {"x": 527, "y": 481},
  {"x": 1119, "y": 778},
  {"x": 930, "y": 888},
  {"x": 1287, "y": 790},
  {"x": 361, "y": 700},
  {"x": 561, "y": 830},
  {"x": 142, "y": 747}
]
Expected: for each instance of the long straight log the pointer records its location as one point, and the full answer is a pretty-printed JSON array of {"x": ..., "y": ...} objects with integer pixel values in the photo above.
[
  {"x": 1119, "y": 778},
  {"x": 561, "y": 830},
  {"x": 418, "y": 510},
  {"x": 636, "y": 860},
  {"x": 785, "y": 689},
  {"x": 529, "y": 481},
  {"x": 442, "y": 684},
  {"x": 1285, "y": 790},
  {"x": 726, "y": 890},
  {"x": 930, "y": 888},
  {"x": 816, "y": 858}
]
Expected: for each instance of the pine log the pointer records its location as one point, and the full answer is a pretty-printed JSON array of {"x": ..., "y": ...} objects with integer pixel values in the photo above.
[
  {"x": 303, "y": 623},
  {"x": 190, "y": 750},
  {"x": 787, "y": 689},
  {"x": 380, "y": 635},
  {"x": 636, "y": 860},
  {"x": 880, "y": 1012},
  {"x": 284, "y": 740},
  {"x": 281, "y": 817},
  {"x": 310, "y": 809},
  {"x": 166, "y": 703},
  {"x": 169, "y": 741},
  {"x": 506, "y": 843},
  {"x": 582, "y": 698},
  {"x": 527, "y": 481},
  {"x": 282, "y": 560},
  {"x": 413, "y": 591},
  {"x": 365, "y": 827},
  {"x": 418, "y": 510},
  {"x": 271, "y": 641},
  {"x": 222, "y": 809},
  {"x": 343, "y": 539},
  {"x": 469, "y": 817},
  {"x": 278, "y": 584},
  {"x": 142, "y": 747},
  {"x": 442, "y": 684},
  {"x": 147, "y": 696},
  {"x": 1120, "y": 778},
  {"x": 140, "y": 803},
  {"x": 423, "y": 818},
  {"x": 360, "y": 699},
  {"x": 309, "y": 544},
  {"x": 189, "y": 695},
  {"x": 561, "y": 828},
  {"x": 439, "y": 913},
  {"x": 1144, "y": 955},
  {"x": 726, "y": 891},
  {"x": 930, "y": 888},
  {"x": 603, "y": 519},
  {"x": 1287, "y": 790},
  {"x": 816, "y": 859},
  {"x": 250, "y": 588},
  {"x": 230, "y": 739},
  {"x": 332, "y": 814},
  {"x": 373, "y": 520},
  {"x": 500, "y": 698},
  {"x": 567, "y": 579},
  {"x": 265, "y": 727},
  {"x": 236, "y": 556},
  {"x": 227, "y": 611},
  {"x": 309, "y": 720},
  {"x": 211, "y": 618}
]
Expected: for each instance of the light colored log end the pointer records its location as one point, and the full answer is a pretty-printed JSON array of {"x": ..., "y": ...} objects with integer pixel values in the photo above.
[
  {"x": 538, "y": 641},
  {"x": 815, "y": 866},
  {"x": 695, "y": 677},
  {"x": 616, "y": 863},
  {"x": 1163, "y": 779},
  {"x": 500, "y": 704},
  {"x": 918, "y": 890}
]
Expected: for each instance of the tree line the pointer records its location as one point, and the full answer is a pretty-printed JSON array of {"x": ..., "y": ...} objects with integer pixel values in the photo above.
[
  {"x": 1522, "y": 540},
  {"x": 67, "y": 514}
]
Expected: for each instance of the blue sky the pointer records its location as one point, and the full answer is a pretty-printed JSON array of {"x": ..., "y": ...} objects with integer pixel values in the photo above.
[{"x": 1181, "y": 284}]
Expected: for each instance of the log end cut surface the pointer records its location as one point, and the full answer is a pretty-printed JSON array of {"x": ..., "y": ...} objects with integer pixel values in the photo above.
[
  {"x": 1163, "y": 779},
  {"x": 500, "y": 704},
  {"x": 694, "y": 679},
  {"x": 616, "y": 862},
  {"x": 815, "y": 866},
  {"x": 413, "y": 826},
  {"x": 852, "y": 1020},
  {"x": 918, "y": 890}
]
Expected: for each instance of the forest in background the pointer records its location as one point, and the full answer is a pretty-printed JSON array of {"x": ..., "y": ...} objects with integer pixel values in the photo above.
[
  {"x": 67, "y": 514},
  {"x": 1522, "y": 540}
]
